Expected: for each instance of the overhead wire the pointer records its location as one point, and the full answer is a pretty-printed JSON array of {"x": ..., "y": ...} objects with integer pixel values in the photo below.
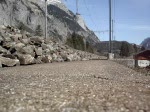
[
  {"x": 88, "y": 10},
  {"x": 114, "y": 18}
]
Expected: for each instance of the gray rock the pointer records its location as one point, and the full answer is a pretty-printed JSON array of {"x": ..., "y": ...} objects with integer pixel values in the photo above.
[
  {"x": 7, "y": 38},
  {"x": 48, "y": 46},
  {"x": 36, "y": 40},
  {"x": 24, "y": 36},
  {"x": 38, "y": 60},
  {"x": 38, "y": 51},
  {"x": 46, "y": 52},
  {"x": 47, "y": 59},
  {"x": 64, "y": 56},
  {"x": 26, "y": 59},
  {"x": 25, "y": 41},
  {"x": 1, "y": 38},
  {"x": 44, "y": 46},
  {"x": 11, "y": 56},
  {"x": 3, "y": 50},
  {"x": 16, "y": 37},
  {"x": 9, "y": 62},
  {"x": 19, "y": 46},
  {"x": 28, "y": 50},
  {"x": 54, "y": 57},
  {"x": 9, "y": 45},
  {"x": 70, "y": 57},
  {"x": 59, "y": 59},
  {"x": 76, "y": 57},
  {"x": 85, "y": 59}
]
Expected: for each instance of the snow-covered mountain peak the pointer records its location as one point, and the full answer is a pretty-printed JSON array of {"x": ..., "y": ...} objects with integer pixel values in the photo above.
[{"x": 54, "y": 1}]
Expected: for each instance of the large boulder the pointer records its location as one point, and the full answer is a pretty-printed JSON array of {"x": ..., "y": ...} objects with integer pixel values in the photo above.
[
  {"x": 28, "y": 50},
  {"x": 47, "y": 59},
  {"x": 37, "y": 40},
  {"x": 8, "y": 45},
  {"x": 54, "y": 57},
  {"x": 9, "y": 62},
  {"x": 46, "y": 52},
  {"x": 70, "y": 57},
  {"x": 24, "y": 34},
  {"x": 11, "y": 56},
  {"x": 3, "y": 50},
  {"x": 25, "y": 41},
  {"x": 48, "y": 46},
  {"x": 64, "y": 54},
  {"x": 7, "y": 38},
  {"x": 76, "y": 57},
  {"x": 26, "y": 59},
  {"x": 1, "y": 38},
  {"x": 44, "y": 46},
  {"x": 38, "y": 60},
  {"x": 16, "y": 37},
  {"x": 59, "y": 59},
  {"x": 19, "y": 46},
  {"x": 38, "y": 51}
]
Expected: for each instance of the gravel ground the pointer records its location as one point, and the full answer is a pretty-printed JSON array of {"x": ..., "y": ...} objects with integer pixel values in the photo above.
[{"x": 87, "y": 86}]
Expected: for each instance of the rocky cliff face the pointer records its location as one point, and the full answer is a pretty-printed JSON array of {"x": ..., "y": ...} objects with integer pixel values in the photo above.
[{"x": 30, "y": 13}]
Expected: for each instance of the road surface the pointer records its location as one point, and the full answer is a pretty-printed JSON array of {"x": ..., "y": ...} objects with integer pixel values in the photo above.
[{"x": 85, "y": 86}]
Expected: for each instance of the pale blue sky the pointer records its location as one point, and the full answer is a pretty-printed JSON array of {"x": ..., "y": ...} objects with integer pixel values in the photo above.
[{"x": 132, "y": 18}]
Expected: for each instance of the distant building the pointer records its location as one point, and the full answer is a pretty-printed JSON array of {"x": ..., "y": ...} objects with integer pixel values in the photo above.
[{"x": 142, "y": 59}]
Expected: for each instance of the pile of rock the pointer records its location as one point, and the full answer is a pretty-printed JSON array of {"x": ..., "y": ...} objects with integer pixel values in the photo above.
[{"x": 21, "y": 48}]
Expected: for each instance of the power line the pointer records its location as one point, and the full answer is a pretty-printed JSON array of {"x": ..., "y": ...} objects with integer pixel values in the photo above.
[{"x": 88, "y": 10}]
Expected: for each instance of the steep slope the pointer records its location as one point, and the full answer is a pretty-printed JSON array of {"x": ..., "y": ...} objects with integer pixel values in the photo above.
[
  {"x": 146, "y": 43},
  {"x": 30, "y": 13}
]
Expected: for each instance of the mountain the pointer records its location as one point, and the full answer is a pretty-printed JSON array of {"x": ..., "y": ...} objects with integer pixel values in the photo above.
[
  {"x": 146, "y": 43},
  {"x": 29, "y": 14},
  {"x": 103, "y": 47}
]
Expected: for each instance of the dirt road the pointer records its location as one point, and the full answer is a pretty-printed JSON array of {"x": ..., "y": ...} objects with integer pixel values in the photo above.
[{"x": 87, "y": 86}]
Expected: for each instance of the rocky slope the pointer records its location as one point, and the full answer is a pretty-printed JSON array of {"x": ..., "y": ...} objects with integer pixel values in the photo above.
[
  {"x": 21, "y": 48},
  {"x": 30, "y": 13},
  {"x": 146, "y": 43}
]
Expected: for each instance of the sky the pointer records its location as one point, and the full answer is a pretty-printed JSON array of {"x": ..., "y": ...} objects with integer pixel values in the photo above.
[{"x": 132, "y": 18}]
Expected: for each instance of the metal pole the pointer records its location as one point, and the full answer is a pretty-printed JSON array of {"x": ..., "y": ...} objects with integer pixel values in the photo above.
[
  {"x": 77, "y": 7},
  {"x": 110, "y": 19},
  {"x": 11, "y": 8},
  {"x": 112, "y": 34},
  {"x": 45, "y": 19}
]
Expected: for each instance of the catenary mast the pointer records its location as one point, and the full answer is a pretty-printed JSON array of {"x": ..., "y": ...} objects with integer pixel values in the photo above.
[{"x": 45, "y": 19}]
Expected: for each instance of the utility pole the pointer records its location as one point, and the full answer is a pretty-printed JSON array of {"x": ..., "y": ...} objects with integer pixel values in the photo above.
[
  {"x": 11, "y": 9},
  {"x": 112, "y": 34},
  {"x": 77, "y": 7},
  {"x": 110, "y": 26},
  {"x": 45, "y": 19},
  {"x": 110, "y": 55}
]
